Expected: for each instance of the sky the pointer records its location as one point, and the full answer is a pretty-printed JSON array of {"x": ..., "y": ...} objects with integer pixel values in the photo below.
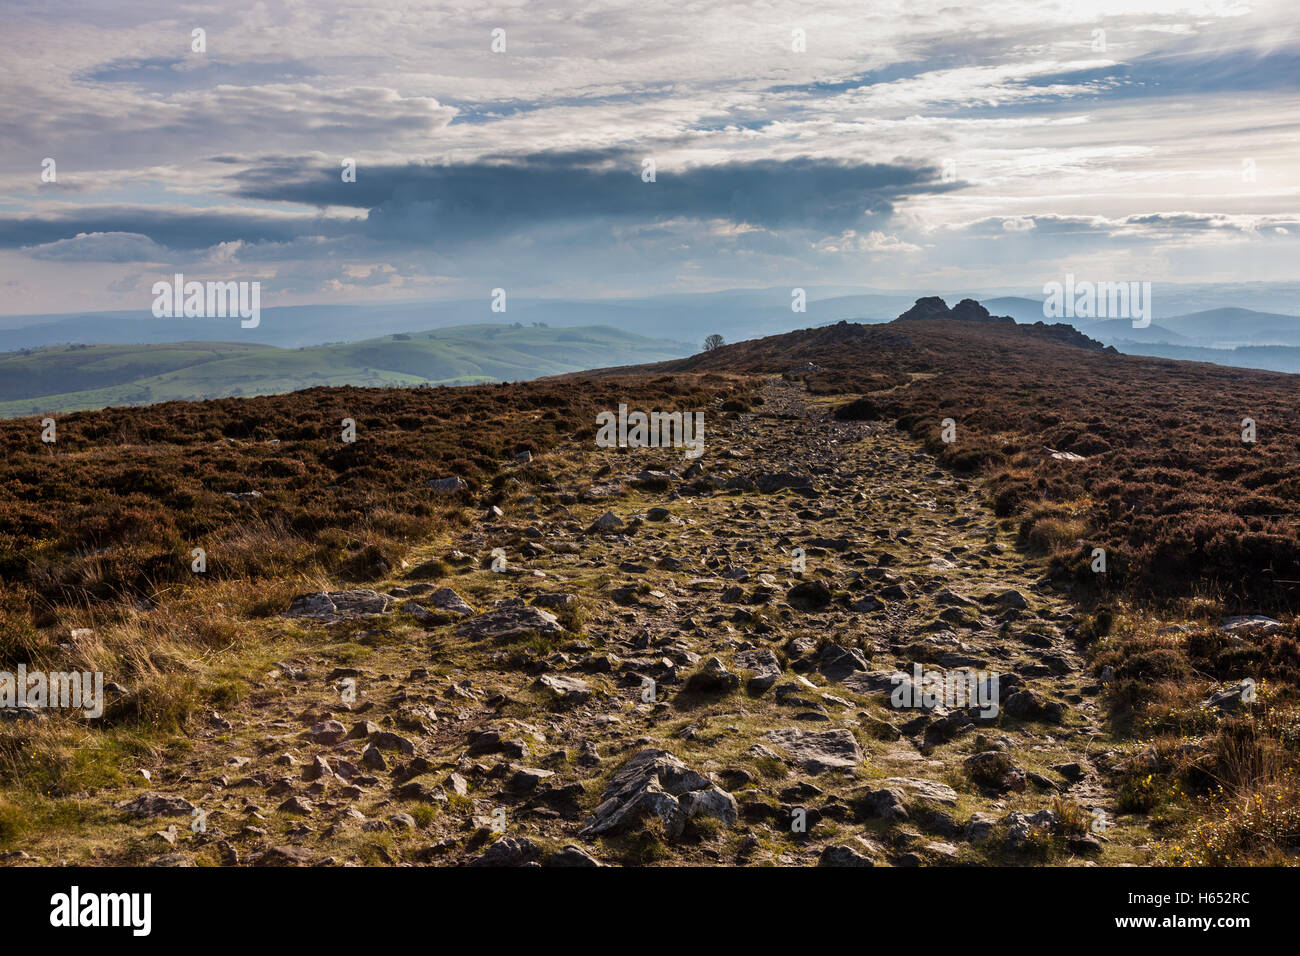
[{"x": 889, "y": 145}]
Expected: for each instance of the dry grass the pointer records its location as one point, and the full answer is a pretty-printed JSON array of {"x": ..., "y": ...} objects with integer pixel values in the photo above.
[{"x": 1221, "y": 782}]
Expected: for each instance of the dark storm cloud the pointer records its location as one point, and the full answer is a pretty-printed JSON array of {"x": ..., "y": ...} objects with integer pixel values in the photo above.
[
  {"x": 418, "y": 205},
  {"x": 175, "y": 229}
]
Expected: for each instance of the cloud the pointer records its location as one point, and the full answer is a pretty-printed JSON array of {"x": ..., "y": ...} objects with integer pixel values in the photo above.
[
  {"x": 874, "y": 241},
  {"x": 169, "y": 74},
  {"x": 175, "y": 228},
  {"x": 1183, "y": 70},
  {"x": 1154, "y": 225},
  {"x": 476, "y": 169},
  {"x": 100, "y": 247},
  {"x": 586, "y": 193},
  {"x": 503, "y": 195}
]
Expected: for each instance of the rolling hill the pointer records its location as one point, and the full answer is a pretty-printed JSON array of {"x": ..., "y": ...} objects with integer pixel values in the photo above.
[
  {"x": 1272, "y": 358},
  {"x": 1219, "y": 328},
  {"x": 37, "y": 381},
  {"x": 1118, "y": 332},
  {"x": 1232, "y": 326}
]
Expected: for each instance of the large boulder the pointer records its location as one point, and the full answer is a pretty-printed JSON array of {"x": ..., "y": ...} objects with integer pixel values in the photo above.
[
  {"x": 509, "y": 851},
  {"x": 1026, "y": 705},
  {"x": 857, "y": 854},
  {"x": 1022, "y": 828},
  {"x": 606, "y": 522},
  {"x": 811, "y": 595},
  {"x": 712, "y": 678},
  {"x": 839, "y": 662},
  {"x": 565, "y": 690},
  {"x": 895, "y": 795}
]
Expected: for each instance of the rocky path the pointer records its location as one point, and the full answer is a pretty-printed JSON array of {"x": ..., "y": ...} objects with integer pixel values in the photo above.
[{"x": 644, "y": 659}]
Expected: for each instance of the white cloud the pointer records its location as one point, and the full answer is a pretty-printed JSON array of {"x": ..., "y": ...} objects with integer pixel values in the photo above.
[{"x": 100, "y": 247}]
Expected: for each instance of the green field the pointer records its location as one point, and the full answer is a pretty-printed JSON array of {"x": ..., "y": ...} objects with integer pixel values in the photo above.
[{"x": 72, "y": 377}]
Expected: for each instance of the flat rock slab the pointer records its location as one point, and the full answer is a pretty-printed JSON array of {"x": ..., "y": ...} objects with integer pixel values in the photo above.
[
  {"x": 921, "y": 789},
  {"x": 819, "y": 750},
  {"x": 286, "y": 856},
  {"x": 157, "y": 805},
  {"x": 873, "y": 682},
  {"x": 511, "y": 618},
  {"x": 566, "y": 689},
  {"x": 1251, "y": 623},
  {"x": 339, "y": 605},
  {"x": 599, "y": 492},
  {"x": 779, "y": 481}
]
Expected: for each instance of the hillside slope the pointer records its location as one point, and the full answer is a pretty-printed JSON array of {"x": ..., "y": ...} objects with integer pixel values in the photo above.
[
  {"x": 36, "y": 382},
  {"x": 1164, "y": 480},
  {"x": 476, "y": 636}
]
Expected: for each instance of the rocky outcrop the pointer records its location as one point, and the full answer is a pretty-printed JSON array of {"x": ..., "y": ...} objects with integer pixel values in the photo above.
[
  {"x": 655, "y": 783},
  {"x": 967, "y": 310}
]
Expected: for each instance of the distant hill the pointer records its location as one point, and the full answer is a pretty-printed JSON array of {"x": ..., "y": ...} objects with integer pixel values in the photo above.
[
  {"x": 1222, "y": 328},
  {"x": 1110, "y": 331},
  {"x": 37, "y": 381},
  {"x": 1020, "y": 309},
  {"x": 1228, "y": 327},
  {"x": 1273, "y": 358},
  {"x": 685, "y": 317},
  {"x": 1119, "y": 331},
  {"x": 286, "y": 326}
]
